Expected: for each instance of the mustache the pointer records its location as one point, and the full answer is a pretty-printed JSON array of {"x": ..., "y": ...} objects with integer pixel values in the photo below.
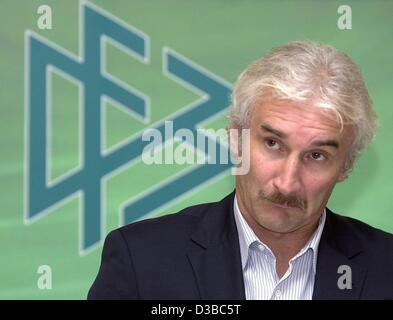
[{"x": 279, "y": 198}]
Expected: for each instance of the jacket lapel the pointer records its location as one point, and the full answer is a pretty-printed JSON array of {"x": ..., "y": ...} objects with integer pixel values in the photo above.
[
  {"x": 338, "y": 247},
  {"x": 215, "y": 254}
]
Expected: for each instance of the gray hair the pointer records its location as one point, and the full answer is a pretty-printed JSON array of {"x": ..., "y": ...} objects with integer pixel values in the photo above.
[{"x": 305, "y": 71}]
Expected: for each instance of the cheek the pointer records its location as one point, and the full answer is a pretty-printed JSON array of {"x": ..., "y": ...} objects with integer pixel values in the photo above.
[
  {"x": 319, "y": 189},
  {"x": 261, "y": 169}
]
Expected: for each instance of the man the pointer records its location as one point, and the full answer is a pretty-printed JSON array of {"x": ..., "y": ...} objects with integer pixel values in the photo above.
[{"x": 309, "y": 115}]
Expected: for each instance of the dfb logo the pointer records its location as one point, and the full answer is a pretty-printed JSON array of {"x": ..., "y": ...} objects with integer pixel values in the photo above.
[{"x": 87, "y": 180}]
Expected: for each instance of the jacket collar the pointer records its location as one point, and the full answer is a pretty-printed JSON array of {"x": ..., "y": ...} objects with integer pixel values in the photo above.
[
  {"x": 215, "y": 255},
  {"x": 339, "y": 248}
]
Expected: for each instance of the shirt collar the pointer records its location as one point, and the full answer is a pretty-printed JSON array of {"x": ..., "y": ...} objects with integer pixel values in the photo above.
[{"x": 248, "y": 237}]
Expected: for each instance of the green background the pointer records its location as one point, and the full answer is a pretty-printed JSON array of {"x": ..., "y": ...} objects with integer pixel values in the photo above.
[{"x": 222, "y": 36}]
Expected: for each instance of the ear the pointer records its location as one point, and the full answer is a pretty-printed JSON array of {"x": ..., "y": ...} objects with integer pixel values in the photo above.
[{"x": 345, "y": 172}]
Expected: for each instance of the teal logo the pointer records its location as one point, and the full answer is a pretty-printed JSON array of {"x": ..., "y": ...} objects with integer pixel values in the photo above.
[{"x": 43, "y": 58}]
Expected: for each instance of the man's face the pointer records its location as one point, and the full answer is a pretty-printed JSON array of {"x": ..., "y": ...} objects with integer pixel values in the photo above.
[{"x": 297, "y": 156}]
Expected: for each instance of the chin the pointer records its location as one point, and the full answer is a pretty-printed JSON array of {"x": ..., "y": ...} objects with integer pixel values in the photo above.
[
  {"x": 279, "y": 228},
  {"x": 277, "y": 223}
]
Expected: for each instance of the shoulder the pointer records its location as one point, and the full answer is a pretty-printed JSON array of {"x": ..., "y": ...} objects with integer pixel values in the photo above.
[
  {"x": 355, "y": 230},
  {"x": 183, "y": 221},
  {"x": 172, "y": 231}
]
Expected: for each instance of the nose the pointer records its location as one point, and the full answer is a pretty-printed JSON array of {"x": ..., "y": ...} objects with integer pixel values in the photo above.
[{"x": 288, "y": 178}]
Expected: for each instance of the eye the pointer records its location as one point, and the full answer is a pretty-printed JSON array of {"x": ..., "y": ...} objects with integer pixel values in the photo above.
[
  {"x": 317, "y": 156},
  {"x": 272, "y": 144}
]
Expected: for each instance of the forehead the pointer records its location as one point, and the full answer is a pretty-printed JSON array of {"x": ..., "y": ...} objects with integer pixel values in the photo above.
[{"x": 304, "y": 119}]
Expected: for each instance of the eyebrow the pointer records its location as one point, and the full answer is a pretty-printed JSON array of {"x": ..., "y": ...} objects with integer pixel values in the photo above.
[
  {"x": 276, "y": 132},
  {"x": 319, "y": 143},
  {"x": 328, "y": 143}
]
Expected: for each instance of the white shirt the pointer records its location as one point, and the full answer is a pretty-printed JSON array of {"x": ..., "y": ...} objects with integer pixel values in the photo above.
[{"x": 261, "y": 281}]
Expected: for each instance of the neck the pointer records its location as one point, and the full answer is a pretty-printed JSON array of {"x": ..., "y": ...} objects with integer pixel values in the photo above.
[{"x": 283, "y": 244}]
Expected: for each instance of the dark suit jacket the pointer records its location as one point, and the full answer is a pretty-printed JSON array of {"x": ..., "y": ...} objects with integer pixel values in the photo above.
[{"x": 195, "y": 255}]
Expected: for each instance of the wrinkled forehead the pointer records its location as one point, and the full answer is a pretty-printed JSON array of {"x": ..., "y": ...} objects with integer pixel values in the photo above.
[
  {"x": 302, "y": 110},
  {"x": 285, "y": 115}
]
